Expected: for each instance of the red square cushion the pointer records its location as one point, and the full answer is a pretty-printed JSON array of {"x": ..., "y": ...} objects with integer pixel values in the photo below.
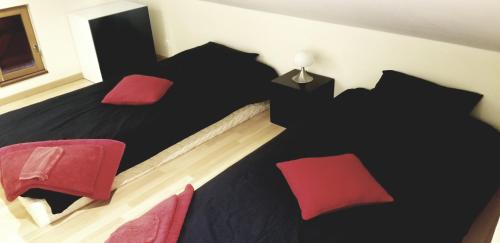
[
  {"x": 138, "y": 90},
  {"x": 325, "y": 184}
]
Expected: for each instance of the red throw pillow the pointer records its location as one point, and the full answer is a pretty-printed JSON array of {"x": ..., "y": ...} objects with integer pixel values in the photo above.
[
  {"x": 138, "y": 90},
  {"x": 325, "y": 184}
]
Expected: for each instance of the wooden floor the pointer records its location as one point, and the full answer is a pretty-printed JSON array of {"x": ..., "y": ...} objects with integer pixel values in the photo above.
[
  {"x": 96, "y": 221},
  {"x": 44, "y": 95}
]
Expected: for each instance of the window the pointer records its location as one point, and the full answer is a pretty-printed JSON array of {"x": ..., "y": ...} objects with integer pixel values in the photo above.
[{"x": 20, "y": 57}]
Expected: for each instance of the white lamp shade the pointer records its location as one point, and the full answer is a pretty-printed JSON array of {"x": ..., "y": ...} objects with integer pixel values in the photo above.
[{"x": 303, "y": 59}]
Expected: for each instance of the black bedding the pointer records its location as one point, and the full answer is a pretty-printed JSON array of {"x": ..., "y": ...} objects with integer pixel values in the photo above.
[
  {"x": 441, "y": 173},
  {"x": 202, "y": 94}
]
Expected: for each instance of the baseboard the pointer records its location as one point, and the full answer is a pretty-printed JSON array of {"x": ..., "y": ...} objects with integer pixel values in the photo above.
[
  {"x": 41, "y": 88},
  {"x": 160, "y": 57}
]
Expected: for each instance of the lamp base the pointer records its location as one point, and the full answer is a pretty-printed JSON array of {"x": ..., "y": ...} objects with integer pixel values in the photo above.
[{"x": 303, "y": 77}]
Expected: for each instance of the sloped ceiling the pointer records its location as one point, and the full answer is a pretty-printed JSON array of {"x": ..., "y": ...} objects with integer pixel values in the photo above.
[{"x": 467, "y": 22}]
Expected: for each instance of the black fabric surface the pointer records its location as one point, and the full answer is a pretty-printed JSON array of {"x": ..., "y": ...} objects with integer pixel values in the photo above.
[
  {"x": 440, "y": 173},
  {"x": 425, "y": 97},
  {"x": 202, "y": 94}
]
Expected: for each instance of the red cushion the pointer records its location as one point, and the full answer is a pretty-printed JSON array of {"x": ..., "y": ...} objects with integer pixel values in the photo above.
[
  {"x": 137, "y": 90},
  {"x": 325, "y": 184}
]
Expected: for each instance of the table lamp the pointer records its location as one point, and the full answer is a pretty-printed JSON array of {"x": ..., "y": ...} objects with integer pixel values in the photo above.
[{"x": 303, "y": 59}]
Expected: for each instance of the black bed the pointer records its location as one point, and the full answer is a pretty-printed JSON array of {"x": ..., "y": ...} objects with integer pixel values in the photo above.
[
  {"x": 210, "y": 82},
  {"x": 441, "y": 171}
]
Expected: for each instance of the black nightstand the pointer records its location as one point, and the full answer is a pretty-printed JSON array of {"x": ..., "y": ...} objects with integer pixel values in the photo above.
[{"x": 293, "y": 103}]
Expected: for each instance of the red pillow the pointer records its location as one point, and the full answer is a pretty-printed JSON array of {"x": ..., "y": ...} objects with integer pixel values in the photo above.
[
  {"x": 137, "y": 90},
  {"x": 326, "y": 184}
]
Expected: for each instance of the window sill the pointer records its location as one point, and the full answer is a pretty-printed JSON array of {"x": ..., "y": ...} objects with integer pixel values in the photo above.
[{"x": 31, "y": 75}]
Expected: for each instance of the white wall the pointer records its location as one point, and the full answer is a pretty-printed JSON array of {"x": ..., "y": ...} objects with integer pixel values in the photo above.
[
  {"x": 479, "y": 21},
  {"x": 355, "y": 57},
  {"x": 49, "y": 19}
]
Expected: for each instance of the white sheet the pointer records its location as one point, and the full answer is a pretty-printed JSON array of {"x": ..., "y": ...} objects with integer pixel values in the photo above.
[{"x": 40, "y": 211}]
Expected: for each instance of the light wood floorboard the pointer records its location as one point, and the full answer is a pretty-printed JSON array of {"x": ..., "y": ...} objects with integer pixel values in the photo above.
[{"x": 44, "y": 95}]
